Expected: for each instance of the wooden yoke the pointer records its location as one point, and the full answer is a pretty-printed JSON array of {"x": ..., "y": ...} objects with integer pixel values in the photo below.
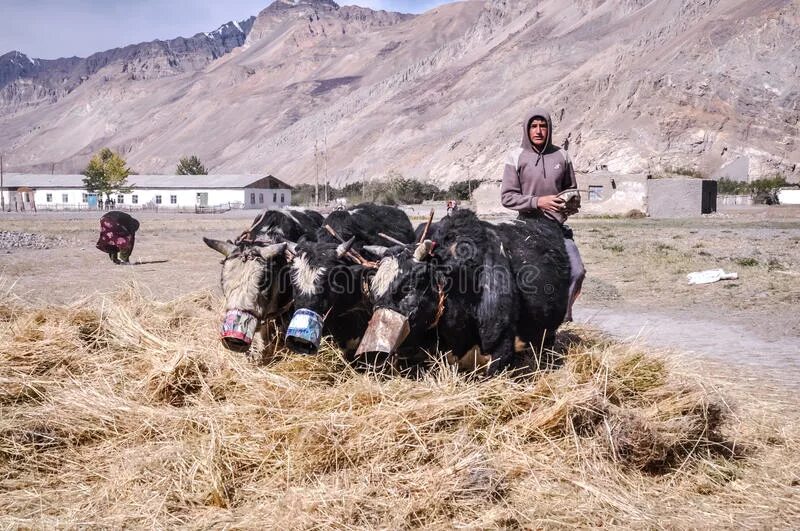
[
  {"x": 427, "y": 227},
  {"x": 353, "y": 255}
]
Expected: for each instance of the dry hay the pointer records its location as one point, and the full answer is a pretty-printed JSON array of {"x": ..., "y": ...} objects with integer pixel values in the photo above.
[{"x": 129, "y": 412}]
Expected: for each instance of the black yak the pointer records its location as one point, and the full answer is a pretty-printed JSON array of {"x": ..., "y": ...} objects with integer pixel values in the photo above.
[
  {"x": 482, "y": 287},
  {"x": 329, "y": 278}
]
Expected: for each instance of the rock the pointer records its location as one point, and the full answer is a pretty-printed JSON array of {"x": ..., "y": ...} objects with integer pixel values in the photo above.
[{"x": 26, "y": 240}]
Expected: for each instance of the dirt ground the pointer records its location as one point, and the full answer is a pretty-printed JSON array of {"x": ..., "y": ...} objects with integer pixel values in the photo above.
[
  {"x": 636, "y": 285},
  {"x": 636, "y": 274}
]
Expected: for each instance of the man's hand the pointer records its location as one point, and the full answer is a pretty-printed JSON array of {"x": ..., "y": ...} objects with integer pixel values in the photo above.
[{"x": 550, "y": 203}]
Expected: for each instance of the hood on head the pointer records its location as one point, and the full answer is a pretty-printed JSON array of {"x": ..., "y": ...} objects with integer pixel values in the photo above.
[{"x": 526, "y": 140}]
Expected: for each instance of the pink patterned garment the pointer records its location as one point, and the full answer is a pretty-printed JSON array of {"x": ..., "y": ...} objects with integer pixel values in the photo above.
[{"x": 115, "y": 236}]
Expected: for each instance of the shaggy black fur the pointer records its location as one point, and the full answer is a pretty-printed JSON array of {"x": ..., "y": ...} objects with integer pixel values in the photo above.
[
  {"x": 342, "y": 291},
  {"x": 500, "y": 282},
  {"x": 364, "y": 222}
]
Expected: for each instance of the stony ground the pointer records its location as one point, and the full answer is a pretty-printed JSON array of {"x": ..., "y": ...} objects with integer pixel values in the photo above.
[
  {"x": 643, "y": 264},
  {"x": 26, "y": 240},
  {"x": 636, "y": 286}
]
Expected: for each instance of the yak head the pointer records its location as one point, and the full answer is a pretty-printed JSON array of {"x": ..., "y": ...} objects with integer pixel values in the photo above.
[
  {"x": 324, "y": 279},
  {"x": 253, "y": 286},
  {"x": 407, "y": 295}
]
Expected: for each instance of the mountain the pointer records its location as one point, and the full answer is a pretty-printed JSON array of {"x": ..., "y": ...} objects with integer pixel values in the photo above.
[
  {"x": 635, "y": 85},
  {"x": 26, "y": 82}
]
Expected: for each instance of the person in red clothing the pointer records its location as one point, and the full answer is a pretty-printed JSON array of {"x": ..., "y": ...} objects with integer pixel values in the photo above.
[
  {"x": 117, "y": 236},
  {"x": 537, "y": 177}
]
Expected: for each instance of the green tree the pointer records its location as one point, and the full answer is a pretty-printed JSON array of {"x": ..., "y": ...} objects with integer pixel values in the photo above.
[
  {"x": 462, "y": 190},
  {"x": 303, "y": 194},
  {"x": 755, "y": 188},
  {"x": 106, "y": 174},
  {"x": 191, "y": 166}
]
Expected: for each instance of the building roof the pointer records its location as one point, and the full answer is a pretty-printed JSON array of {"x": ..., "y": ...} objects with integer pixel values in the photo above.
[{"x": 171, "y": 182}]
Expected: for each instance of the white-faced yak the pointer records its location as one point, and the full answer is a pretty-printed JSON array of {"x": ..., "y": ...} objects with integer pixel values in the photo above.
[
  {"x": 484, "y": 288},
  {"x": 330, "y": 278},
  {"x": 255, "y": 274}
]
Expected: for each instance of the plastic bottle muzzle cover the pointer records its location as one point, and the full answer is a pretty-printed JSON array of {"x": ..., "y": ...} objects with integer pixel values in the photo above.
[
  {"x": 238, "y": 329},
  {"x": 304, "y": 332}
]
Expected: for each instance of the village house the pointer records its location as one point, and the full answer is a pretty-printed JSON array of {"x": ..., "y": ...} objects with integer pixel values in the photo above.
[
  {"x": 605, "y": 193},
  {"x": 21, "y": 191}
]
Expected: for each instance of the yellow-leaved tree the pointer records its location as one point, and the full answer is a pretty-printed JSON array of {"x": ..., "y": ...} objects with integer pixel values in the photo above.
[{"x": 107, "y": 173}]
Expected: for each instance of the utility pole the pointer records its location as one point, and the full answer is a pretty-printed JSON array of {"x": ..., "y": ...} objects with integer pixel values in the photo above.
[
  {"x": 325, "y": 159},
  {"x": 316, "y": 176},
  {"x": 2, "y": 196}
]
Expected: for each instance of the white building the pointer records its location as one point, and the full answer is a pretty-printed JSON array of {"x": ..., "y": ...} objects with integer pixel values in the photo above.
[
  {"x": 21, "y": 191},
  {"x": 789, "y": 196}
]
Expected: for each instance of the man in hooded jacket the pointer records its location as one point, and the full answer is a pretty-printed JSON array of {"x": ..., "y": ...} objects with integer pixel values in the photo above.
[{"x": 534, "y": 176}]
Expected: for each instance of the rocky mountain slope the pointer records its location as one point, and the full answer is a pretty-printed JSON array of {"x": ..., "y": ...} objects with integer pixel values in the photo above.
[
  {"x": 26, "y": 82},
  {"x": 635, "y": 85}
]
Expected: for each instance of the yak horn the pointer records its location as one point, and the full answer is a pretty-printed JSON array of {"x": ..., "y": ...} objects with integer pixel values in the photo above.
[
  {"x": 342, "y": 249},
  {"x": 377, "y": 250},
  {"x": 224, "y": 248},
  {"x": 271, "y": 251},
  {"x": 423, "y": 250}
]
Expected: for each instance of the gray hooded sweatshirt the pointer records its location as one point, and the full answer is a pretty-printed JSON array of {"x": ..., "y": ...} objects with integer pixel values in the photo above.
[{"x": 530, "y": 173}]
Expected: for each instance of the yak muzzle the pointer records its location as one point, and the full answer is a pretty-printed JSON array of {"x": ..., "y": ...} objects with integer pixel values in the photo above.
[
  {"x": 304, "y": 332},
  {"x": 386, "y": 332},
  {"x": 238, "y": 330}
]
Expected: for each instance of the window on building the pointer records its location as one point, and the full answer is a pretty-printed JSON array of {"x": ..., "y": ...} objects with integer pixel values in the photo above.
[
  {"x": 65, "y": 198},
  {"x": 596, "y": 193},
  {"x": 135, "y": 199},
  {"x": 282, "y": 198},
  {"x": 260, "y": 198},
  {"x": 173, "y": 200},
  {"x": 120, "y": 199},
  {"x": 49, "y": 198},
  {"x": 84, "y": 198},
  {"x": 158, "y": 199},
  {"x": 274, "y": 197},
  {"x": 27, "y": 197},
  {"x": 252, "y": 198}
]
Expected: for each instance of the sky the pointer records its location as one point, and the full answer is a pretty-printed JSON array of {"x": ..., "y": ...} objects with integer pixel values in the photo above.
[{"x": 48, "y": 29}]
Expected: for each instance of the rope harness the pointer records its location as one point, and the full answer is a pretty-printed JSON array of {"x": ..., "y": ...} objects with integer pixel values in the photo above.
[
  {"x": 439, "y": 307},
  {"x": 247, "y": 236}
]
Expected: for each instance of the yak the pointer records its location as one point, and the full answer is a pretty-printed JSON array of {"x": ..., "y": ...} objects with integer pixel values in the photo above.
[
  {"x": 254, "y": 278},
  {"x": 485, "y": 289},
  {"x": 330, "y": 279},
  {"x": 367, "y": 224}
]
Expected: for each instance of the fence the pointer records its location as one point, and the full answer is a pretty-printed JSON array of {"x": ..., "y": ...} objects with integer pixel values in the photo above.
[
  {"x": 149, "y": 207},
  {"x": 726, "y": 199}
]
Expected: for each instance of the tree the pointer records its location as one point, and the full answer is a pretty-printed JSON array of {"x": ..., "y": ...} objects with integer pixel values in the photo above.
[
  {"x": 303, "y": 194},
  {"x": 191, "y": 166},
  {"x": 106, "y": 174},
  {"x": 462, "y": 190}
]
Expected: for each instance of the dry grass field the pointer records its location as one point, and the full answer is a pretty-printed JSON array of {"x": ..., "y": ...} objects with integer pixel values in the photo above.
[{"x": 119, "y": 407}]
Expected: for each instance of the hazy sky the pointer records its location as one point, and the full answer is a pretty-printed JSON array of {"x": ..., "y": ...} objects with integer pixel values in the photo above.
[{"x": 49, "y": 29}]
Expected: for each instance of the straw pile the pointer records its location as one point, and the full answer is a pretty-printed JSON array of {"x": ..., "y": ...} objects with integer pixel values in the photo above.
[{"x": 128, "y": 412}]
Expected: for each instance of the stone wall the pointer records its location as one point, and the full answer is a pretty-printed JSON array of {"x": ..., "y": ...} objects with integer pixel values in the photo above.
[
  {"x": 612, "y": 194},
  {"x": 486, "y": 200},
  {"x": 679, "y": 198}
]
